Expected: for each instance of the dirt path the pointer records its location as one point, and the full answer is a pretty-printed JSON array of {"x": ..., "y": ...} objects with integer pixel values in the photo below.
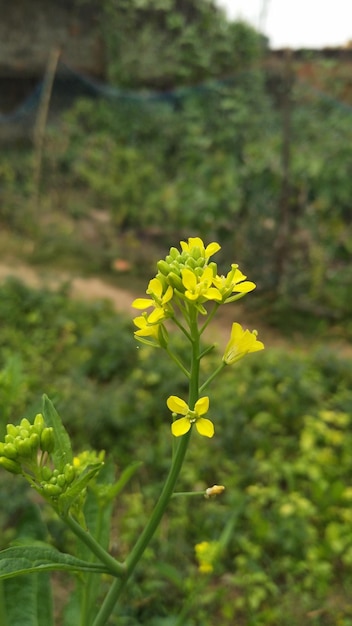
[
  {"x": 85, "y": 288},
  {"x": 80, "y": 287}
]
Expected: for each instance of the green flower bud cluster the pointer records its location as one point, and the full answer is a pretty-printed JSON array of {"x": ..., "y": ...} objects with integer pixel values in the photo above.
[
  {"x": 54, "y": 483},
  {"x": 170, "y": 269},
  {"x": 23, "y": 442}
]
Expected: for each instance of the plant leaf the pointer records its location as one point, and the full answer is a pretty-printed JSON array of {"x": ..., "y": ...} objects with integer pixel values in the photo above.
[
  {"x": 62, "y": 453},
  {"x": 25, "y": 559}
]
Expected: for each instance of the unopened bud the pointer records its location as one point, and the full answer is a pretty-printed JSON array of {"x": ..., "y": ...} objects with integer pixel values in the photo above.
[
  {"x": 10, "y": 465},
  {"x": 215, "y": 490},
  {"x": 47, "y": 440},
  {"x": 12, "y": 430},
  {"x": 39, "y": 423},
  {"x": 10, "y": 450},
  {"x": 51, "y": 490}
]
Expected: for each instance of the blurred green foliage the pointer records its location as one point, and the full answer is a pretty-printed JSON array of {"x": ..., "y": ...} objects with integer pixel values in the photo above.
[{"x": 282, "y": 449}]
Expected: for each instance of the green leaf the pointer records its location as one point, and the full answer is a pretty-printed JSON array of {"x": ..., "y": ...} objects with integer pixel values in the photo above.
[
  {"x": 62, "y": 453},
  {"x": 25, "y": 559},
  {"x": 21, "y": 601},
  {"x": 71, "y": 494}
]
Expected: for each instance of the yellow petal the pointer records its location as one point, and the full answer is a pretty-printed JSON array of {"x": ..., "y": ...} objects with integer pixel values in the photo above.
[
  {"x": 211, "y": 249},
  {"x": 168, "y": 294},
  {"x": 155, "y": 287},
  {"x": 204, "y": 426},
  {"x": 181, "y": 426},
  {"x": 201, "y": 407},
  {"x": 156, "y": 316},
  {"x": 244, "y": 287},
  {"x": 213, "y": 294},
  {"x": 177, "y": 405},
  {"x": 142, "y": 303},
  {"x": 189, "y": 279}
]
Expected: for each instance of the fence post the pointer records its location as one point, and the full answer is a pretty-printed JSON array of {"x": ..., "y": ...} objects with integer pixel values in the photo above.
[{"x": 41, "y": 121}]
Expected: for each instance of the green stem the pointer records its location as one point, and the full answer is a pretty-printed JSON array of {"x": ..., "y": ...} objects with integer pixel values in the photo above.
[
  {"x": 115, "y": 568},
  {"x": 90, "y": 589},
  {"x": 209, "y": 318},
  {"x": 118, "y": 585},
  {"x": 187, "y": 494},
  {"x": 178, "y": 362},
  {"x": 213, "y": 375}
]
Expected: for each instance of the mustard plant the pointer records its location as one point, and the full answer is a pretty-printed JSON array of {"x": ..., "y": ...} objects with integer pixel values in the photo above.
[{"x": 183, "y": 296}]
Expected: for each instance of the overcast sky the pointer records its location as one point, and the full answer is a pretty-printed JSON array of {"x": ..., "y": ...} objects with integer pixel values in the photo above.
[{"x": 296, "y": 23}]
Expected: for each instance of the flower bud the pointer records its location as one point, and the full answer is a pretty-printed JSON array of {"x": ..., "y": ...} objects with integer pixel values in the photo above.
[
  {"x": 10, "y": 465},
  {"x": 69, "y": 473},
  {"x": 24, "y": 447},
  {"x": 163, "y": 267},
  {"x": 25, "y": 424},
  {"x": 10, "y": 451},
  {"x": 12, "y": 430},
  {"x": 46, "y": 473},
  {"x": 51, "y": 490},
  {"x": 175, "y": 281},
  {"x": 39, "y": 423},
  {"x": 61, "y": 481},
  {"x": 34, "y": 441},
  {"x": 47, "y": 440}
]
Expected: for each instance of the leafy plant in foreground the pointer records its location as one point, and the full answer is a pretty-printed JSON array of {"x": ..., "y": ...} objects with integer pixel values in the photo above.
[{"x": 187, "y": 292}]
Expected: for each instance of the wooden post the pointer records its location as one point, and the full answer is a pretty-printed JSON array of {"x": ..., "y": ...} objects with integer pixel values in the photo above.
[
  {"x": 41, "y": 121},
  {"x": 282, "y": 244}
]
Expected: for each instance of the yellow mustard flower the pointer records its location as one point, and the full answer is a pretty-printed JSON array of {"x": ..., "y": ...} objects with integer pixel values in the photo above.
[
  {"x": 196, "y": 243},
  {"x": 145, "y": 328},
  {"x": 241, "y": 342},
  {"x": 199, "y": 288},
  {"x": 206, "y": 555},
  {"x": 182, "y": 425},
  {"x": 158, "y": 300},
  {"x": 235, "y": 281}
]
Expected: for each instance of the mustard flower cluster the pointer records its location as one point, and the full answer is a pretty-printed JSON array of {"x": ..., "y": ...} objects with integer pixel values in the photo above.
[{"x": 186, "y": 278}]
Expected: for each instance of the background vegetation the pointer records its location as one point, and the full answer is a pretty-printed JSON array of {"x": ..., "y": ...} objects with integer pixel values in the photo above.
[{"x": 214, "y": 140}]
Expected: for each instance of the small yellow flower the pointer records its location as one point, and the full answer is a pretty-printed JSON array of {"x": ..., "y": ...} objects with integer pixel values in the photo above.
[
  {"x": 182, "y": 425},
  {"x": 145, "y": 327},
  {"x": 196, "y": 243},
  {"x": 199, "y": 288},
  {"x": 206, "y": 555},
  {"x": 235, "y": 281},
  {"x": 241, "y": 342},
  {"x": 159, "y": 300}
]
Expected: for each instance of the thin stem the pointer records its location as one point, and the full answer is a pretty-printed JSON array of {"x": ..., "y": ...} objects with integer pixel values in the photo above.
[
  {"x": 213, "y": 375},
  {"x": 118, "y": 585},
  {"x": 209, "y": 318},
  {"x": 187, "y": 494},
  {"x": 178, "y": 362},
  {"x": 115, "y": 567},
  {"x": 90, "y": 588}
]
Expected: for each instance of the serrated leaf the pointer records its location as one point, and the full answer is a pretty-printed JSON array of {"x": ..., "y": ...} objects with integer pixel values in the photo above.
[
  {"x": 62, "y": 453},
  {"x": 38, "y": 558}
]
